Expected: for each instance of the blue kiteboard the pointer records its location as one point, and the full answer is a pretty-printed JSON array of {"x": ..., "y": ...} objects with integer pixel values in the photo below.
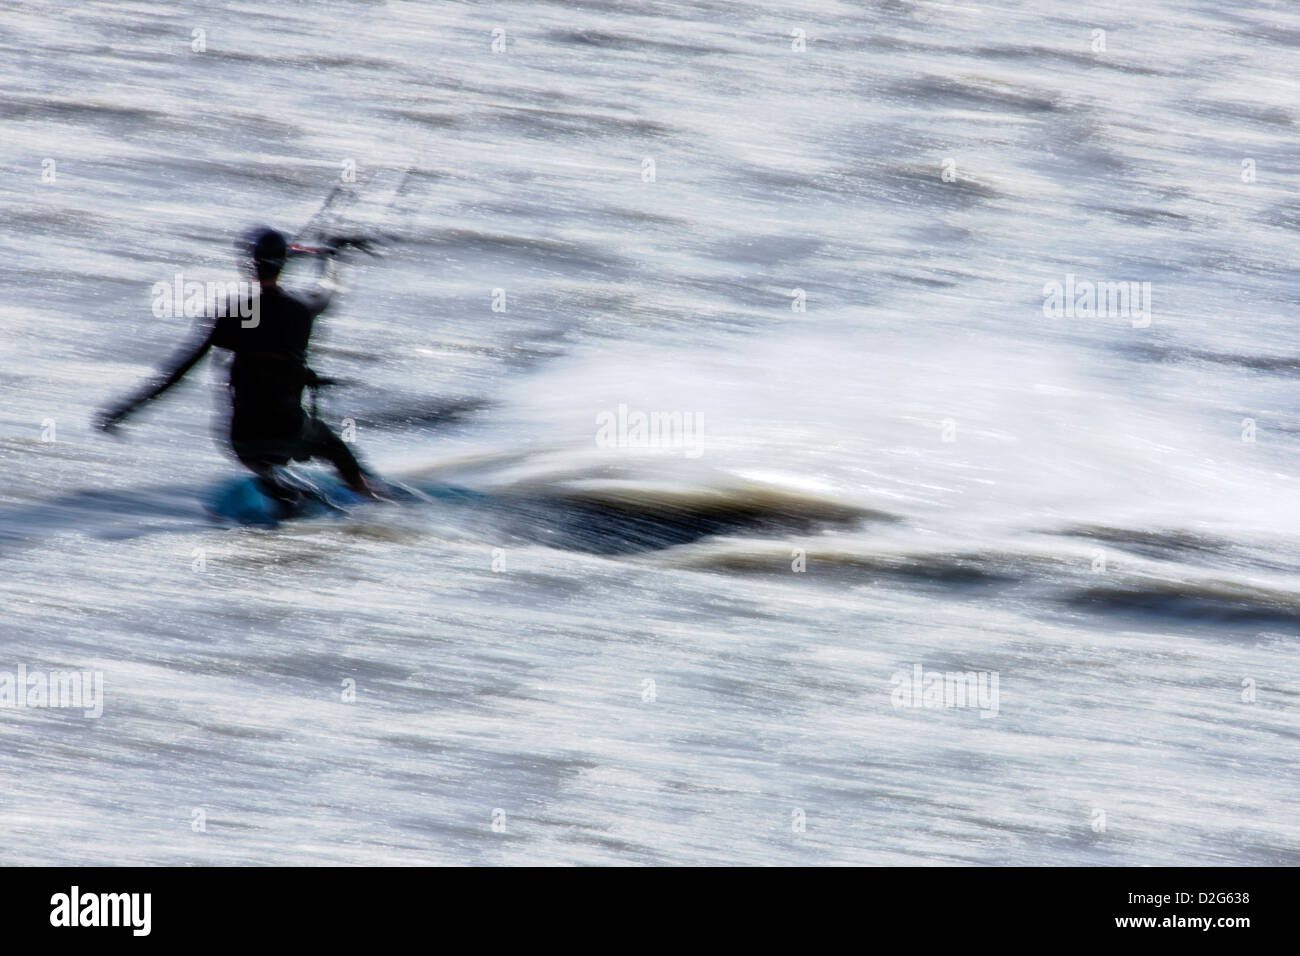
[{"x": 244, "y": 501}]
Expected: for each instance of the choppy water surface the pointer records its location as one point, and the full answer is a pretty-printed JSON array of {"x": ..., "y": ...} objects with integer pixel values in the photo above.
[{"x": 700, "y": 653}]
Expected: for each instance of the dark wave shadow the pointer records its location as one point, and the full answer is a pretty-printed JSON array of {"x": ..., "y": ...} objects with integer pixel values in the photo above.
[
  {"x": 1190, "y": 603},
  {"x": 628, "y": 525}
]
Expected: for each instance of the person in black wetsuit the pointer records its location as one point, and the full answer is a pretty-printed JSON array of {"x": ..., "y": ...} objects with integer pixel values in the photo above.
[{"x": 268, "y": 427}]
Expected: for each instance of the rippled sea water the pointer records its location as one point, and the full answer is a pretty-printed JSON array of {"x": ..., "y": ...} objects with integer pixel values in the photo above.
[{"x": 826, "y": 236}]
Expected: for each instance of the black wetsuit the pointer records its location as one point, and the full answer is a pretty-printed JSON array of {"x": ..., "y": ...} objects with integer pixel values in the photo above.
[{"x": 268, "y": 427}]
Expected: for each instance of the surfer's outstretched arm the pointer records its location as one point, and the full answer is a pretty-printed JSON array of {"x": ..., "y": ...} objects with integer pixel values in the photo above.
[
  {"x": 318, "y": 299},
  {"x": 110, "y": 418},
  {"x": 327, "y": 281}
]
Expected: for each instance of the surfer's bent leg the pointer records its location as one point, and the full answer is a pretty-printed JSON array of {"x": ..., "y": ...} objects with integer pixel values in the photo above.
[
  {"x": 318, "y": 441},
  {"x": 267, "y": 470},
  {"x": 272, "y": 483}
]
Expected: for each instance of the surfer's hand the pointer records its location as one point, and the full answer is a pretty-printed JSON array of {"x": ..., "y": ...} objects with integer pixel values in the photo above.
[{"x": 108, "y": 419}]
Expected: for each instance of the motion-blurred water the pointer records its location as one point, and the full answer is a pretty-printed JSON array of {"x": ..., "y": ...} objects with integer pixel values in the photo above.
[{"x": 822, "y": 234}]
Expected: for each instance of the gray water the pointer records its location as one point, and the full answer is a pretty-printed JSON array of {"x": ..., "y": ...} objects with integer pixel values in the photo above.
[{"x": 688, "y": 653}]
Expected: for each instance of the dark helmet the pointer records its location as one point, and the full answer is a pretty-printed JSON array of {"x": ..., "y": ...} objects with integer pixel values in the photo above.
[{"x": 267, "y": 247}]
